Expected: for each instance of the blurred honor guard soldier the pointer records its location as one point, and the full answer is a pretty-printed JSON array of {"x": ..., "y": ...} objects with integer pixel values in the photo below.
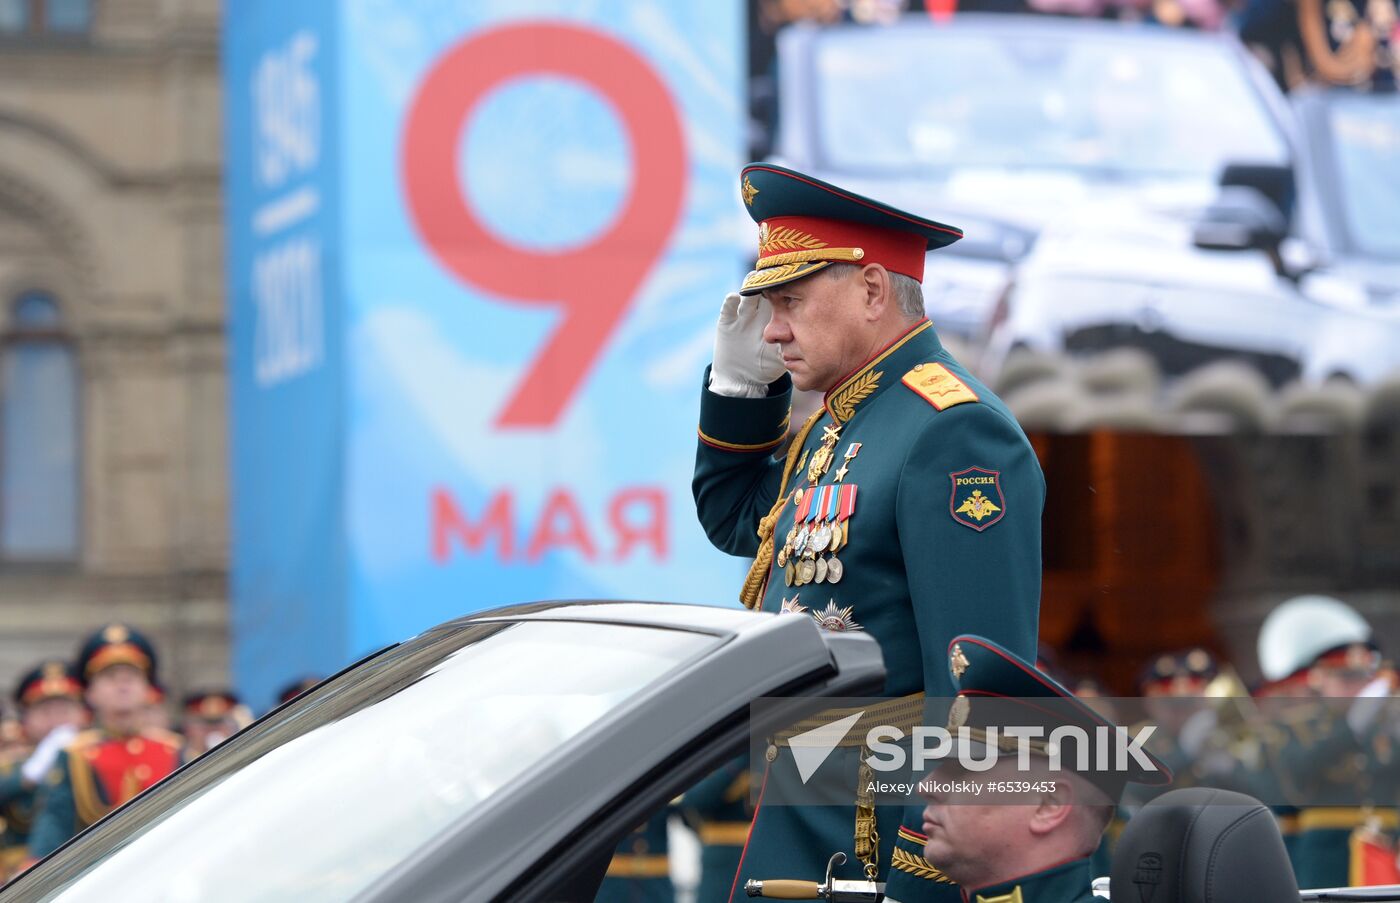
[
  {"x": 50, "y": 700},
  {"x": 296, "y": 688},
  {"x": 1032, "y": 846},
  {"x": 107, "y": 766},
  {"x": 719, "y": 810},
  {"x": 1337, "y": 754},
  {"x": 640, "y": 870},
  {"x": 908, "y": 506},
  {"x": 211, "y": 717}
]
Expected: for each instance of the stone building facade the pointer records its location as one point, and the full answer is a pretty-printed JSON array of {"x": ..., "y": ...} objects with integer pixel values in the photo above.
[{"x": 113, "y": 445}]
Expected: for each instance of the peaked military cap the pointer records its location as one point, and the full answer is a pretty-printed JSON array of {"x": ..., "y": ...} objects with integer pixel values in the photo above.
[
  {"x": 211, "y": 704},
  {"x": 295, "y": 688},
  {"x": 1196, "y": 665},
  {"x": 116, "y": 644},
  {"x": 997, "y": 689},
  {"x": 50, "y": 679},
  {"x": 805, "y": 224}
]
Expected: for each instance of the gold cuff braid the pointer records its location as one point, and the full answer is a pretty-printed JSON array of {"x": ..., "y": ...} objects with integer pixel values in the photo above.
[{"x": 752, "y": 592}]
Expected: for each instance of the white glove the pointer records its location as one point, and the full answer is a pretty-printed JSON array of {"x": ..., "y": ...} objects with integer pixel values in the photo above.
[
  {"x": 744, "y": 364},
  {"x": 1368, "y": 705},
  {"x": 42, "y": 759}
]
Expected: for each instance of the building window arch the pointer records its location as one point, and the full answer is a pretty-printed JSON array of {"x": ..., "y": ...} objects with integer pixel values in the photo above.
[
  {"x": 40, "y": 471},
  {"x": 45, "y": 19}
]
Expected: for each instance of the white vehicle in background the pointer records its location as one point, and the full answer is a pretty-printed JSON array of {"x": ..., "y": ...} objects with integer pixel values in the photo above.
[{"x": 1088, "y": 157}]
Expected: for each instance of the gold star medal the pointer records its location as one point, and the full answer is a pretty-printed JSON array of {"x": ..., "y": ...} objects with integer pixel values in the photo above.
[{"x": 851, "y": 451}]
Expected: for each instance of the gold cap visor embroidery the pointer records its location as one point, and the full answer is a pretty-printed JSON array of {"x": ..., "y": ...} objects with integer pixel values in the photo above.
[{"x": 768, "y": 277}]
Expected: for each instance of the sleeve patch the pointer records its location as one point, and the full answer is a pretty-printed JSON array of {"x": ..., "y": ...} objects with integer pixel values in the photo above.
[
  {"x": 935, "y": 384},
  {"x": 976, "y": 500}
]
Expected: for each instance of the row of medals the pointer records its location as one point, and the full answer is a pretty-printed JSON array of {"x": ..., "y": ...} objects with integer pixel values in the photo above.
[{"x": 811, "y": 548}]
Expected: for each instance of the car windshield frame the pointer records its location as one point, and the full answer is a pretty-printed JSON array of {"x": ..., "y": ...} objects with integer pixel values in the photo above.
[
  {"x": 1050, "y": 34},
  {"x": 354, "y": 690}
]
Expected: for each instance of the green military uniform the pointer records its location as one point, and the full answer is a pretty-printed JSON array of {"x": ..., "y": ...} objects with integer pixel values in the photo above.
[
  {"x": 1333, "y": 760},
  {"x": 718, "y": 809},
  {"x": 16, "y": 812},
  {"x": 1348, "y": 782},
  {"x": 101, "y": 770},
  {"x": 48, "y": 681},
  {"x": 640, "y": 871},
  {"x": 908, "y": 507},
  {"x": 1068, "y": 883}
]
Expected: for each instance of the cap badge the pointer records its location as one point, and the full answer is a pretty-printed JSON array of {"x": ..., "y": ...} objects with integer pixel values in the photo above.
[
  {"x": 748, "y": 192},
  {"x": 116, "y": 633},
  {"x": 957, "y": 661}
]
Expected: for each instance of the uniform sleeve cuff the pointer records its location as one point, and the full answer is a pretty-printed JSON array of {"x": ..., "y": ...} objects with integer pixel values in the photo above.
[{"x": 746, "y": 424}]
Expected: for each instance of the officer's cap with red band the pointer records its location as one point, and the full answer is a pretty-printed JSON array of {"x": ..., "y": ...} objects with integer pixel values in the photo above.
[{"x": 805, "y": 224}]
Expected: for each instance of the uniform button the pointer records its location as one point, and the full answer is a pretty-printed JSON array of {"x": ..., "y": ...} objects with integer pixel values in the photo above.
[
  {"x": 771, "y": 754},
  {"x": 918, "y": 366},
  {"x": 142, "y": 772},
  {"x": 135, "y": 745}
]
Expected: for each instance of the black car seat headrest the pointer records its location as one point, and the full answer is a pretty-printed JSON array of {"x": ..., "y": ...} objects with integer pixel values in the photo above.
[{"x": 1200, "y": 845}]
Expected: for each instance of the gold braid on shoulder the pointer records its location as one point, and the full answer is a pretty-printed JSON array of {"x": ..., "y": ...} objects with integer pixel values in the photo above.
[{"x": 752, "y": 593}]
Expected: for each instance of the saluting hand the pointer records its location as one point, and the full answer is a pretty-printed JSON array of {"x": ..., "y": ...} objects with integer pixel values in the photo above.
[{"x": 744, "y": 364}]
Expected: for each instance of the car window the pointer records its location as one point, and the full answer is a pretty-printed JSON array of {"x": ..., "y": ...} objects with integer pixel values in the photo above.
[
  {"x": 1366, "y": 145},
  {"x": 331, "y": 795},
  {"x": 933, "y": 100}
]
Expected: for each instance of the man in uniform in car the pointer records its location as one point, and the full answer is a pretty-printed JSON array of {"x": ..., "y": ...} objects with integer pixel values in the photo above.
[
  {"x": 908, "y": 506},
  {"x": 1022, "y": 830},
  {"x": 120, "y": 757}
]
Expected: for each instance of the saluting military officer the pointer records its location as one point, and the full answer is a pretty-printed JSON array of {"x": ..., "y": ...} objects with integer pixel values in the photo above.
[
  {"x": 107, "y": 766},
  {"x": 908, "y": 506},
  {"x": 50, "y": 700}
]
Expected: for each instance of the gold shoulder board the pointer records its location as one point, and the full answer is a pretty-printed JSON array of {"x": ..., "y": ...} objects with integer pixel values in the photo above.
[{"x": 938, "y": 386}]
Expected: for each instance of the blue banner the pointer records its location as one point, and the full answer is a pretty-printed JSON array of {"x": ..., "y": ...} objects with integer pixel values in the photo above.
[
  {"x": 287, "y": 363},
  {"x": 530, "y": 223}
]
